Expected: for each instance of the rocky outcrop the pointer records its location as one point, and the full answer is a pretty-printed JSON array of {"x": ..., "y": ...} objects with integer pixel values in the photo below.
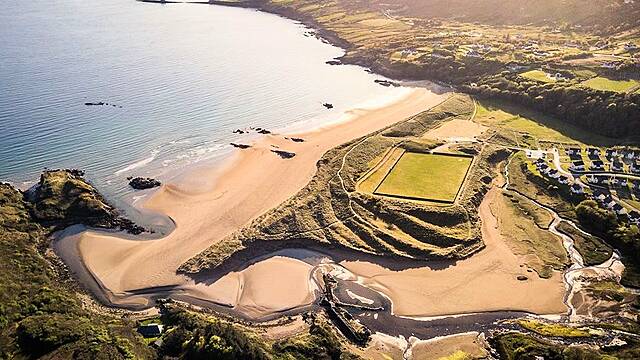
[
  {"x": 140, "y": 183},
  {"x": 63, "y": 197},
  {"x": 284, "y": 154},
  {"x": 240, "y": 146}
]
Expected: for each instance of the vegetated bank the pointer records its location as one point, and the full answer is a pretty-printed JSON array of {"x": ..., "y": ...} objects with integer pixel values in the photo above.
[{"x": 44, "y": 314}]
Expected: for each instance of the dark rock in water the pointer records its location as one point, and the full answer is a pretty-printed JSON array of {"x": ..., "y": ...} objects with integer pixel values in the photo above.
[
  {"x": 284, "y": 154},
  {"x": 102, "y": 103},
  {"x": 238, "y": 131},
  {"x": 334, "y": 62},
  {"x": 386, "y": 83},
  {"x": 522, "y": 278},
  {"x": 328, "y": 105},
  {"x": 63, "y": 197},
  {"x": 240, "y": 146},
  {"x": 263, "y": 131},
  {"x": 297, "y": 139},
  {"x": 141, "y": 183}
]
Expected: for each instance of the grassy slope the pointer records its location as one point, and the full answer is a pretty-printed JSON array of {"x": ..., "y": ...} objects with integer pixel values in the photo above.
[{"x": 40, "y": 316}]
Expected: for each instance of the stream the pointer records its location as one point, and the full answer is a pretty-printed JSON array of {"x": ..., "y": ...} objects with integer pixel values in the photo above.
[{"x": 577, "y": 267}]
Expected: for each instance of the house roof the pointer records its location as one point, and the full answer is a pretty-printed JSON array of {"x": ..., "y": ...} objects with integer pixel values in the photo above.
[{"x": 150, "y": 330}]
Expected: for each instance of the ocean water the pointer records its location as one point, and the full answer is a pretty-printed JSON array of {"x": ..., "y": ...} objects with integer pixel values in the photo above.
[{"x": 182, "y": 77}]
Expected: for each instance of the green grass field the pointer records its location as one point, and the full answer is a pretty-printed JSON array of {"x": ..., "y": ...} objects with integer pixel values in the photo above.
[
  {"x": 434, "y": 177},
  {"x": 537, "y": 75},
  {"x": 601, "y": 83}
]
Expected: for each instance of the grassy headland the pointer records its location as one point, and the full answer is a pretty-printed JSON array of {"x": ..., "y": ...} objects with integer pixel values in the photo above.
[{"x": 331, "y": 211}]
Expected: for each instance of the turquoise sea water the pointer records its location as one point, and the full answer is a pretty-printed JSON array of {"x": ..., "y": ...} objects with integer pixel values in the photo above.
[{"x": 182, "y": 77}]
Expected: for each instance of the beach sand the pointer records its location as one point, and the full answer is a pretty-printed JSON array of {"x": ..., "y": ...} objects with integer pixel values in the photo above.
[
  {"x": 486, "y": 281},
  {"x": 255, "y": 180},
  {"x": 205, "y": 211}
]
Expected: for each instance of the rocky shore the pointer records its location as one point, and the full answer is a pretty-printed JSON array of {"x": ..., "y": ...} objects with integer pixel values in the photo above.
[{"x": 63, "y": 197}]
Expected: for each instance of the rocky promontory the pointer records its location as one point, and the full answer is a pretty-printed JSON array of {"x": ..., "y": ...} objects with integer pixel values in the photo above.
[{"x": 63, "y": 197}]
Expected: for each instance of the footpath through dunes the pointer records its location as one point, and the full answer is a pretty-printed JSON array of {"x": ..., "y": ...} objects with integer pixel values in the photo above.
[{"x": 252, "y": 182}]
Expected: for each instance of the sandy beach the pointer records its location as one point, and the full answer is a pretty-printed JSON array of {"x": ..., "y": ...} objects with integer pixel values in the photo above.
[
  {"x": 487, "y": 281},
  {"x": 209, "y": 204}
]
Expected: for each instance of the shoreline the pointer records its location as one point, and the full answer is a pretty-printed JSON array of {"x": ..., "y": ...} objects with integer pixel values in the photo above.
[{"x": 203, "y": 216}]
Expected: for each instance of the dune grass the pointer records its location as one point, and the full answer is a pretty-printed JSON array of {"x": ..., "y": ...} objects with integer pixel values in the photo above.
[{"x": 435, "y": 177}]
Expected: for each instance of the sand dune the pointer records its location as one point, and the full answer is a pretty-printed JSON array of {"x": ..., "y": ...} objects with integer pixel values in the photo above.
[{"x": 486, "y": 281}]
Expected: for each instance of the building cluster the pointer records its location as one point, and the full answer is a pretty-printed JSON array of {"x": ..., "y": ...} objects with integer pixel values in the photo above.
[
  {"x": 598, "y": 184},
  {"x": 615, "y": 159}
]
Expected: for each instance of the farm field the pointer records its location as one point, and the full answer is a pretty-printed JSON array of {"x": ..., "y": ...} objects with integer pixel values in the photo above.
[
  {"x": 434, "y": 177},
  {"x": 602, "y": 83},
  {"x": 538, "y": 75}
]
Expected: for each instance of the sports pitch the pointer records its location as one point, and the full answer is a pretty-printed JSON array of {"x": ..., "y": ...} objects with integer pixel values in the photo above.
[{"x": 430, "y": 177}]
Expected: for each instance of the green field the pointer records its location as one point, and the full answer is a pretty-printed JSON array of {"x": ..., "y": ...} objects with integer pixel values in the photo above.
[
  {"x": 601, "y": 83},
  {"x": 538, "y": 75},
  {"x": 433, "y": 177}
]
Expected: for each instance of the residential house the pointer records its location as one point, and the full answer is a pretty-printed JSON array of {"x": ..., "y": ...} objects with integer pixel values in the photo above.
[
  {"x": 577, "y": 166},
  {"x": 554, "y": 174},
  {"x": 634, "y": 217},
  {"x": 516, "y": 67},
  {"x": 617, "y": 165},
  {"x": 577, "y": 189},
  {"x": 609, "y": 203},
  {"x": 593, "y": 153},
  {"x": 597, "y": 165},
  {"x": 611, "y": 153},
  {"x": 563, "y": 180},
  {"x": 573, "y": 151},
  {"x": 599, "y": 195},
  {"x": 543, "y": 168},
  {"x": 473, "y": 54},
  {"x": 619, "y": 209},
  {"x": 630, "y": 46},
  {"x": 635, "y": 167},
  {"x": 623, "y": 182},
  {"x": 151, "y": 330},
  {"x": 598, "y": 180}
]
